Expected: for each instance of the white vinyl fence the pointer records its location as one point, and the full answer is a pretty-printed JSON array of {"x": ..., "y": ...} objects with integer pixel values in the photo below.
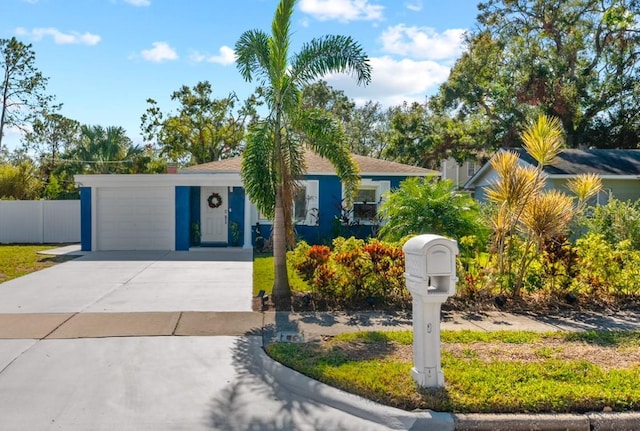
[{"x": 38, "y": 222}]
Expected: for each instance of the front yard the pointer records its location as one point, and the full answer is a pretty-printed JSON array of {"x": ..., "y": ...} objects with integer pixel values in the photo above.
[
  {"x": 501, "y": 372},
  {"x": 18, "y": 260}
]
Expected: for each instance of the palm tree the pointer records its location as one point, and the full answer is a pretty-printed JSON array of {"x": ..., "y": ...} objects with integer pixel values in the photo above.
[
  {"x": 273, "y": 159},
  {"x": 105, "y": 150}
]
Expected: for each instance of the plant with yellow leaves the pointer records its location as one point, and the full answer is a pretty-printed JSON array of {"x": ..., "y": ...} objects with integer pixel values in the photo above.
[{"x": 523, "y": 205}]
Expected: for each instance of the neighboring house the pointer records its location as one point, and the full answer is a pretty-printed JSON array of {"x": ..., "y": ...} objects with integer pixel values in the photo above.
[
  {"x": 458, "y": 173},
  {"x": 159, "y": 212},
  {"x": 618, "y": 169}
]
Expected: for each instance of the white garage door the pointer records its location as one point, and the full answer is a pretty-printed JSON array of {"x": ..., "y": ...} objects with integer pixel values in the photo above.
[{"x": 141, "y": 218}]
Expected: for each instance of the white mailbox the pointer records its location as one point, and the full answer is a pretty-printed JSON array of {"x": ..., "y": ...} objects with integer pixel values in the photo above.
[{"x": 430, "y": 275}]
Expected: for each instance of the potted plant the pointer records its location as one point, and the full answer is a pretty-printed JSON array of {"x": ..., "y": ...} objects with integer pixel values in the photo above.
[{"x": 195, "y": 233}]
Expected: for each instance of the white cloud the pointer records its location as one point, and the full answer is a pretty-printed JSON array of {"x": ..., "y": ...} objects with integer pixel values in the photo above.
[
  {"x": 59, "y": 37},
  {"x": 394, "y": 81},
  {"x": 226, "y": 57},
  {"x": 138, "y": 3},
  {"x": 415, "y": 6},
  {"x": 423, "y": 42},
  {"x": 160, "y": 52},
  {"x": 342, "y": 10}
]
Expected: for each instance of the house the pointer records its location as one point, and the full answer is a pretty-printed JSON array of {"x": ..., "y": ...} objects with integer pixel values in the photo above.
[
  {"x": 618, "y": 169},
  {"x": 160, "y": 212},
  {"x": 458, "y": 173}
]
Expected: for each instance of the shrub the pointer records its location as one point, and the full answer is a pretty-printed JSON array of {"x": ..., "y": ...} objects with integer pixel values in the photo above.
[
  {"x": 616, "y": 221},
  {"x": 353, "y": 272}
]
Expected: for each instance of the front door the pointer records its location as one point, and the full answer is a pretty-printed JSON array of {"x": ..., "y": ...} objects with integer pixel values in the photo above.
[{"x": 214, "y": 211}]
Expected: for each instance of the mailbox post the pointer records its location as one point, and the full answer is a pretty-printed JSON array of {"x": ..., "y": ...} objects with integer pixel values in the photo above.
[{"x": 430, "y": 274}]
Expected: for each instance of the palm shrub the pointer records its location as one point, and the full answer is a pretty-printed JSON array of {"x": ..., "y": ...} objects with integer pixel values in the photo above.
[
  {"x": 522, "y": 206},
  {"x": 423, "y": 205}
]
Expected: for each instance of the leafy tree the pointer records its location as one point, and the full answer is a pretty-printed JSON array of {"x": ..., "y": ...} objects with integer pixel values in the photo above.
[
  {"x": 576, "y": 60},
  {"x": 365, "y": 126},
  {"x": 203, "y": 130},
  {"x": 273, "y": 159},
  {"x": 22, "y": 86},
  {"x": 426, "y": 206},
  {"x": 20, "y": 181},
  {"x": 52, "y": 135}
]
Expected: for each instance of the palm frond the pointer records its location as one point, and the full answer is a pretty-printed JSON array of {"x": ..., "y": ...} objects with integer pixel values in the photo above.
[
  {"x": 547, "y": 215},
  {"x": 543, "y": 139},
  {"x": 324, "y": 136},
  {"x": 258, "y": 170},
  {"x": 252, "y": 55},
  {"x": 331, "y": 54},
  {"x": 585, "y": 186}
]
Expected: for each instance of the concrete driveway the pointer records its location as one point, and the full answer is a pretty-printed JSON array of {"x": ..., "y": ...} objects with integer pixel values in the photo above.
[{"x": 207, "y": 280}]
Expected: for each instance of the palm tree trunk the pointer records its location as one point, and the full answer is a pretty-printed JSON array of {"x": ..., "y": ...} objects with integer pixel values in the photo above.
[{"x": 281, "y": 295}]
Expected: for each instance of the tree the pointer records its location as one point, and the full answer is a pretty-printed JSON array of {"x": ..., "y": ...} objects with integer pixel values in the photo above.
[
  {"x": 576, "y": 60},
  {"x": 273, "y": 159},
  {"x": 22, "y": 86},
  {"x": 203, "y": 130},
  {"x": 104, "y": 151},
  {"x": 51, "y": 135},
  {"x": 20, "y": 181},
  {"x": 426, "y": 206},
  {"x": 366, "y": 126}
]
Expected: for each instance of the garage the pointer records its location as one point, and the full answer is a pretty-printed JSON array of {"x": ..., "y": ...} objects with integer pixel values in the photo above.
[{"x": 135, "y": 218}]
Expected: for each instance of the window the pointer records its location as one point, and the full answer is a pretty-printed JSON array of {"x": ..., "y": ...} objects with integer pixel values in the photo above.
[
  {"x": 305, "y": 203},
  {"x": 365, "y": 206},
  {"x": 300, "y": 204},
  {"x": 471, "y": 168},
  {"x": 602, "y": 198},
  {"x": 367, "y": 201}
]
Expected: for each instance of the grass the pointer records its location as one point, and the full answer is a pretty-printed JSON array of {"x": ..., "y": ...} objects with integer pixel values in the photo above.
[
  {"x": 501, "y": 372},
  {"x": 18, "y": 260},
  {"x": 263, "y": 276}
]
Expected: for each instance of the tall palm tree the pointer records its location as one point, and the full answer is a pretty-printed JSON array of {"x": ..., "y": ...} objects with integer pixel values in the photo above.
[{"x": 273, "y": 159}]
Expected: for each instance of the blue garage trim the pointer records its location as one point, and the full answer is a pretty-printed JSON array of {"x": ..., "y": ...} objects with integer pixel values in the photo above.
[
  {"x": 182, "y": 218},
  {"x": 85, "y": 218}
]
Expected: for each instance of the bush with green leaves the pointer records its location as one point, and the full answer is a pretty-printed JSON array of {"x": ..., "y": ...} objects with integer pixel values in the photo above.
[
  {"x": 607, "y": 269},
  {"x": 616, "y": 221},
  {"x": 421, "y": 206},
  {"x": 353, "y": 272}
]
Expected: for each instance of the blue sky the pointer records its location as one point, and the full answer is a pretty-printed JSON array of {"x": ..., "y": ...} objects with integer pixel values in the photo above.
[{"x": 104, "y": 58}]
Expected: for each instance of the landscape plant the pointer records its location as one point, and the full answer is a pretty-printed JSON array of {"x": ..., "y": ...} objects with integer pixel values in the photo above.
[
  {"x": 273, "y": 159},
  {"x": 353, "y": 273},
  {"x": 525, "y": 215},
  {"x": 425, "y": 205}
]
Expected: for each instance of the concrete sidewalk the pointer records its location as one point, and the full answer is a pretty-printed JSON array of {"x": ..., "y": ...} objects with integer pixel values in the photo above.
[{"x": 306, "y": 326}]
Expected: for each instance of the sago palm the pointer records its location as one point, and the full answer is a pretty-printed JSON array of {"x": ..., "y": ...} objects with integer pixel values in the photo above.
[{"x": 273, "y": 160}]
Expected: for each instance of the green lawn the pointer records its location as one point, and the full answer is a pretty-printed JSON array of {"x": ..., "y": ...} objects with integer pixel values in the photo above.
[
  {"x": 18, "y": 260},
  {"x": 263, "y": 276},
  {"x": 508, "y": 371}
]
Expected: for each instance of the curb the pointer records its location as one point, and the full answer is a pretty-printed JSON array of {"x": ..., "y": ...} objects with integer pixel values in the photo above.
[
  {"x": 395, "y": 419},
  {"x": 548, "y": 422}
]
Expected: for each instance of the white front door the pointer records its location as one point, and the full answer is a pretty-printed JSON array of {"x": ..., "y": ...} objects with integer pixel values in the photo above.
[{"x": 214, "y": 209}]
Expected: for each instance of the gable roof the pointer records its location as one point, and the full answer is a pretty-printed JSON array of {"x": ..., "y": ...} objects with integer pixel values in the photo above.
[
  {"x": 317, "y": 165},
  {"x": 570, "y": 162},
  {"x": 597, "y": 161}
]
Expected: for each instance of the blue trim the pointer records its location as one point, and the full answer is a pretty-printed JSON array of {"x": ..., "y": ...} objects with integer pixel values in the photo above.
[
  {"x": 182, "y": 218},
  {"x": 236, "y": 215},
  {"x": 85, "y": 218}
]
